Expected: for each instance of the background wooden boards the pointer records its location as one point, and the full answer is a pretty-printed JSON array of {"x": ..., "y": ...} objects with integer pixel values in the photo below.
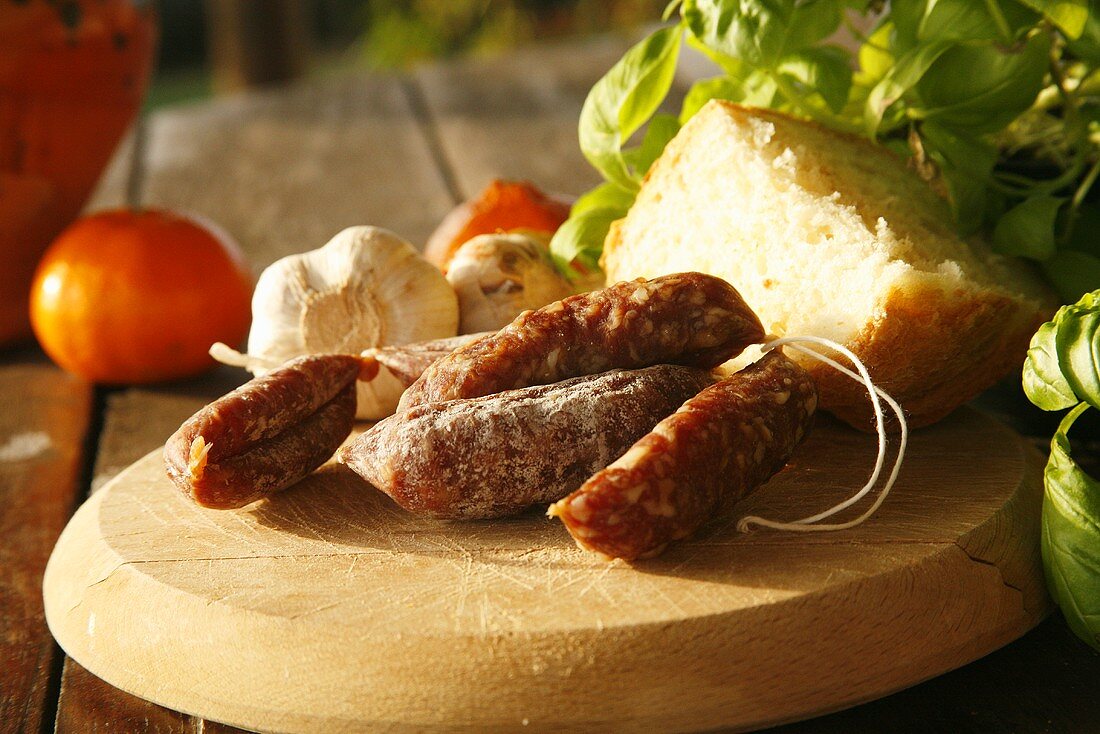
[{"x": 43, "y": 424}]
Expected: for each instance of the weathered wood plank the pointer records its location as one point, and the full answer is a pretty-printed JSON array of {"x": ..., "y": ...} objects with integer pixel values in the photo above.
[
  {"x": 42, "y": 432},
  {"x": 136, "y": 422},
  {"x": 88, "y": 704},
  {"x": 284, "y": 171},
  {"x": 515, "y": 116}
]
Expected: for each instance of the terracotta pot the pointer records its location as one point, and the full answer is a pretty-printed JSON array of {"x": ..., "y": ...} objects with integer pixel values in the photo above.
[{"x": 72, "y": 76}]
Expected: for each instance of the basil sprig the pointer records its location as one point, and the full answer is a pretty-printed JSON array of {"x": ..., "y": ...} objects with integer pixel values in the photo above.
[
  {"x": 1063, "y": 371},
  {"x": 997, "y": 99}
]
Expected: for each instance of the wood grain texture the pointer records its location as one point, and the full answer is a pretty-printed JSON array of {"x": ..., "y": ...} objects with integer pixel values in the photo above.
[
  {"x": 256, "y": 617},
  {"x": 285, "y": 171},
  {"x": 515, "y": 116},
  {"x": 88, "y": 704},
  {"x": 136, "y": 422},
  {"x": 42, "y": 431}
]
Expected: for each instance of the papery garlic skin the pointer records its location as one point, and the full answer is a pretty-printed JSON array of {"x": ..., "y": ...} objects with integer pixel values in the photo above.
[
  {"x": 366, "y": 288},
  {"x": 499, "y": 276}
]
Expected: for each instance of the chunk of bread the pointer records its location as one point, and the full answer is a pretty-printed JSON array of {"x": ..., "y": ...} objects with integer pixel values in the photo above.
[{"x": 831, "y": 235}]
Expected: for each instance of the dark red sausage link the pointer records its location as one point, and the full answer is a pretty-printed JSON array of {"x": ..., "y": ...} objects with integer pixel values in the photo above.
[
  {"x": 689, "y": 319},
  {"x": 407, "y": 362},
  {"x": 499, "y": 454},
  {"x": 718, "y": 447},
  {"x": 266, "y": 434}
]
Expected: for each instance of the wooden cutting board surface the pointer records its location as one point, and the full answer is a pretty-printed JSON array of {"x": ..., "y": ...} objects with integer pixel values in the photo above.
[{"x": 328, "y": 608}]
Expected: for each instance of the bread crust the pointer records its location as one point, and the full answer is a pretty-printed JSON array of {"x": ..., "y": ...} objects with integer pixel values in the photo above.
[
  {"x": 930, "y": 346},
  {"x": 929, "y": 354}
]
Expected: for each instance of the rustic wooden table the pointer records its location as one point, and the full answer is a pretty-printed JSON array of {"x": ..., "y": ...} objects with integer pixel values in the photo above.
[{"x": 283, "y": 171}]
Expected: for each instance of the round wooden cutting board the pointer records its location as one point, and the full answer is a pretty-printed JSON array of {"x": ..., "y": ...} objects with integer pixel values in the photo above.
[{"x": 330, "y": 609}]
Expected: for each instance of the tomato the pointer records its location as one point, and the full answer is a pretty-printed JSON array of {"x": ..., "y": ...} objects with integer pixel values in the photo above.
[
  {"x": 133, "y": 297},
  {"x": 503, "y": 206}
]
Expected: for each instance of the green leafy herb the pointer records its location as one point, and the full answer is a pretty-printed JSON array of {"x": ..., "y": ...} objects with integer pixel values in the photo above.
[
  {"x": 1073, "y": 272},
  {"x": 898, "y": 80},
  {"x": 1028, "y": 228},
  {"x": 1069, "y": 15},
  {"x": 823, "y": 71},
  {"x": 1071, "y": 536},
  {"x": 1062, "y": 370},
  {"x": 571, "y": 245},
  {"x": 998, "y": 98},
  {"x": 1077, "y": 339},
  {"x": 1044, "y": 383},
  {"x": 623, "y": 100}
]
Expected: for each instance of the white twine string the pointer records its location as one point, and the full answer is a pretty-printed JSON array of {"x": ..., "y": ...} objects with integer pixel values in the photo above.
[{"x": 811, "y": 523}]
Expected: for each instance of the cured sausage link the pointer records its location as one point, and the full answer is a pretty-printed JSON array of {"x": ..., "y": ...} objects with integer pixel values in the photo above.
[
  {"x": 407, "y": 362},
  {"x": 718, "y": 447},
  {"x": 498, "y": 454},
  {"x": 689, "y": 319},
  {"x": 266, "y": 434}
]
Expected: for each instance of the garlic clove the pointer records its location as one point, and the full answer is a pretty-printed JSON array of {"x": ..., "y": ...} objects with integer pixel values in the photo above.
[
  {"x": 365, "y": 288},
  {"x": 499, "y": 276},
  {"x": 378, "y": 398}
]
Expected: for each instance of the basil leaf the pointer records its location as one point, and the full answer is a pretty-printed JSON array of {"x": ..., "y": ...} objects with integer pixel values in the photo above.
[
  {"x": 981, "y": 86},
  {"x": 605, "y": 196},
  {"x": 966, "y": 152},
  {"x": 906, "y": 18},
  {"x": 966, "y": 20},
  {"x": 1077, "y": 338},
  {"x": 965, "y": 164},
  {"x": 580, "y": 238},
  {"x": 1083, "y": 238},
  {"x": 763, "y": 31},
  {"x": 1071, "y": 536},
  {"x": 902, "y": 77},
  {"x": 1043, "y": 382},
  {"x": 704, "y": 90},
  {"x": 811, "y": 22},
  {"x": 733, "y": 67},
  {"x": 1086, "y": 46},
  {"x": 1027, "y": 229},
  {"x": 1073, "y": 273},
  {"x": 968, "y": 196},
  {"x": 623, "y": 100},
  {"x": 824, "y": 71},
  {"x": 1068, "y": 15},
  {"x": 752, "y": 32},
  {"x": 875, "y": 57},
  {"x": 661, "y": 129}
]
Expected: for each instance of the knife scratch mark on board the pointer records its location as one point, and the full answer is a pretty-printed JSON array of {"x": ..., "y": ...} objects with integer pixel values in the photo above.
[
  {"x": 315, "y": 610},
  {"x": 349, "y": 573},
  {"x": 595, "y": 580}
]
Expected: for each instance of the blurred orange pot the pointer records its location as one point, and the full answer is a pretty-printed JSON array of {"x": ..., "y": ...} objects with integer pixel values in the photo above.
[{"x": 72, "y": 75}]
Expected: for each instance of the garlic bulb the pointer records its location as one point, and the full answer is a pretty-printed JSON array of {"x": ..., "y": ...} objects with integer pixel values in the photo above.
[
  {"x": 498, "y": 276},
  {"x": 366, "y": 288}
]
